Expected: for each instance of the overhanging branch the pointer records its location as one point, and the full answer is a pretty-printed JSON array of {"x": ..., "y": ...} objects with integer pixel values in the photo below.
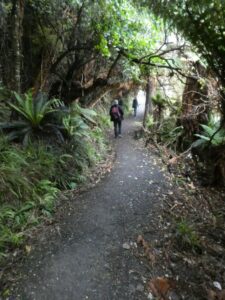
[{"x": 161, "y": 66}]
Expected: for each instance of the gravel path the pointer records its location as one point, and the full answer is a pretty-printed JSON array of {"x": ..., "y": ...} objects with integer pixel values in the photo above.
[{"x": 93, "y": 254}]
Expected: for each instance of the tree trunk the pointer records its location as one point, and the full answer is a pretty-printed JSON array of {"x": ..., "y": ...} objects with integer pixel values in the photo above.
[
  {"x": 2, "y": 26},
  {"x": 92, "y": 98},
  {"x": 195, "y": 107},
  {"x": 17, "y": 19},
  {"x": 148, "y": 102}
]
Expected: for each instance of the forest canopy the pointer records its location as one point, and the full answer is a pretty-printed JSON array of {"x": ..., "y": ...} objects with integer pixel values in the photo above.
[{"x": 69, "y": 48}]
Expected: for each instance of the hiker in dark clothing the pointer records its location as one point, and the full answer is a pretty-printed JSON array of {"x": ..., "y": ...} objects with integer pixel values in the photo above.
[
  {"x": 135, "y": 105},
  {"x": 116, "y": 114},
  {"x": 121, "y": 103}
]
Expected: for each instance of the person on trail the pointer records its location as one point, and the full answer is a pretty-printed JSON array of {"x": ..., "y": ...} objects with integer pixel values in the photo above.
[
  {"x": 135, "y": 105},
  {"x": 116, "y": 114},
  {"x": 121, "y": 103}
]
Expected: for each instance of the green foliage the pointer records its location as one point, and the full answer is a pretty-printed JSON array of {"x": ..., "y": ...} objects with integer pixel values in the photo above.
[
  {"x": 33, "y": 110},
  {"x": 98, "y": 138},
  {"x": 34, "y": 118},
  {"x": 41, "y": 160},
  {"x": 173, "y": 134},
  {"x": 150, "y": 122},
  {"x": 186, "y": 236},
  {"x": 21, "y": 170},
  {"x": 15, "y": 219},
  {"x": 120, "y": 25},
  {"x": 159, "y": 100},
  {"x": 103, "y": 120},
  {"x": 83, "y": 148},
  {"x": 212, "y": 134},
  {"x": 46, "y": 192},
  {"x": 131, "y": 71},
  {"x": 169, "y": 133},
  {"x": 8, "y": 239},
  {"x": 201, "y": 22},
  {"x": 76, "y": 122},
  {"x": 4, "y": 109},
  {"x": 12, "y": 182},
  {"x": 26, "y": 194}
]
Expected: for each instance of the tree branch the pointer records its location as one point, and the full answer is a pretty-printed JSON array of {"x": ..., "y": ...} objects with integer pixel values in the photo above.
[
  {"x": 150, "y": 56},
  {"x": 113, "y": 65},
  {"x": 149, "y": 63},
  {"x": 65, "y": 53}
]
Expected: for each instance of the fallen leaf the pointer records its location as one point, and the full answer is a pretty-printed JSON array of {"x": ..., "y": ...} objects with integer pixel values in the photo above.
[
  {"x": 221, "y": 295},
  {"x": 191, "y": 185},
  {"x": 145, "y": 245},
  {"x": 28, "y": 249},
  {"x": 160, "y": 286},
  {"x": 211, "y": 295},
  {"x": 149, "y": 252},
  {"x": 151, "y": 257},
  {"x": 173, "y": 160},
  {"x": 140, "y": 239}
]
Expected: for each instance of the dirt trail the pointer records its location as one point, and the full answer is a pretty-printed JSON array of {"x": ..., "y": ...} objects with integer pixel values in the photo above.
[{"x": 93, "y": 254}]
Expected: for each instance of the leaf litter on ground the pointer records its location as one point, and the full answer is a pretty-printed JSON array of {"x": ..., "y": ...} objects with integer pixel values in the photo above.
[{"x": 191, "y": 239}]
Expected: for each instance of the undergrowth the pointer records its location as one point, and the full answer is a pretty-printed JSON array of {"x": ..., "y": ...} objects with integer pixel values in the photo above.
[
  {"x": 187, "y": 237},
  {"x": 27, "y": 193},
  {"x": 32, "y": 175}
]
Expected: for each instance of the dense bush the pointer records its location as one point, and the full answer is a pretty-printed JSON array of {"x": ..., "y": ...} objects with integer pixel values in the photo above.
[
  {"x": 27, "y": 193},
  {"x": 32, "y": 174}
]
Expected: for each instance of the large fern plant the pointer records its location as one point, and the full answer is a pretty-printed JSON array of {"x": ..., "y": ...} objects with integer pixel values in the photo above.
[
  {"x": 78, "y": 121},
  {"x": 212, "y": 134},
  {"x": 36, "y": 116}
]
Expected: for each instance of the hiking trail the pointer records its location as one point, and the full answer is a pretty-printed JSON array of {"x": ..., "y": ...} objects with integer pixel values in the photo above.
[{"x": 93, "y": 253}]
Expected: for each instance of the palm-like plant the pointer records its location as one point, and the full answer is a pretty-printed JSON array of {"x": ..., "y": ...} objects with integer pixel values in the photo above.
[
  {"x": 158, "y": 100},
  {"x": 35, "y": 117},
  {"x": 33, "y": 109},
  {"x": 160, "y": 103}
]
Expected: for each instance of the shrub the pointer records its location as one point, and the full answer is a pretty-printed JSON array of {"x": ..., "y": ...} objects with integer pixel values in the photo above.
[
  {"x": 35, "y": 118},
  {"x": 212, "y": 134}
]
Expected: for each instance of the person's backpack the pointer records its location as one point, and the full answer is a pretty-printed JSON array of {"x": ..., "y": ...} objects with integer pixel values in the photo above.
[{"x": 115, "y": 113}]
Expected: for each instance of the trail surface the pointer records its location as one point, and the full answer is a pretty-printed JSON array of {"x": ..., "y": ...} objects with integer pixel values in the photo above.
[{"x": 93, "y": 254}]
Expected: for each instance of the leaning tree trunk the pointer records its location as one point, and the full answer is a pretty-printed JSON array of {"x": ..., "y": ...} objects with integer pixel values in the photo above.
[
  {"x": 17, "y": 19},
  {"x": 195, "y": 107},
  {"x": 148, "y": 102},
  {"x": 95, "y": 94}
]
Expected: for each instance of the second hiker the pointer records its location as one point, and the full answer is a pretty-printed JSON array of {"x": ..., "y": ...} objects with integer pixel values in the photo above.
[
  {"x": 135, "y": 105},
  {"x": 116, "y": 114}
]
